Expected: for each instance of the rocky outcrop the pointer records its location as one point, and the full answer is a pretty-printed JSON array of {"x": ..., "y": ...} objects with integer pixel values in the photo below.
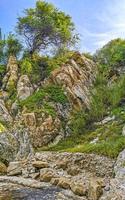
[
  {"x": 15, "y": 145},
  {"x": 3, "y": 168},
  {"x": 11, "y": 77},
  {"x": 76, "y": 77},
  {"x": 116, "y": 189},
  {"x": 98, "y": 165},
  {"x": 4, "y": 113},
  {"x": 24, "y": 87},
  {"x": 42, "y": 130},
  {"x": 54, "y": 168}
]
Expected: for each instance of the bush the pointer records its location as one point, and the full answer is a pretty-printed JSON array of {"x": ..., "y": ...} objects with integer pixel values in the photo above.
[
  {"x": 41, "y": 100},
  {"x": 112, "y": 55},
  {"x": 2, "y": 73},
  {"x": 117, "y": 91}
]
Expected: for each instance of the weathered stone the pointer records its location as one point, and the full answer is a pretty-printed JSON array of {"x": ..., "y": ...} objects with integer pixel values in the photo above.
[
  {"x": 40, "y": 164},
  {"x": 54, "y": 181},
  {"x": 119, "y": 167},
  {"x": 24, "y": 87},
  {"x": 97, "y": 165},
  {"x": 73, "y": 170},
  {"x": 3, "y": 168},
  {"x": 35, "y": 175},
  {"x": 106, "y": 120},
  {"x": 46, "y": 132},
  {"x": 15, "y": 145},
  {"x": 14, "y": 108},
  {"x": 14, "y": 169},
  {"x": 62, "y": 164},
  {"x": 76, "y": 77},
  {"x": 24, "y": 182},
  {"x": 4, "y": 113},
  {"x": 79, "y": 188},
  {"x": 11, "y": 77},
  {"x": 69, "y": 195},
  {"x": 64, "y": 183},
  {"x": 30, "y": 120},
  {"x": 95, "y": 189},
  {"x": 47, "y": 174}
]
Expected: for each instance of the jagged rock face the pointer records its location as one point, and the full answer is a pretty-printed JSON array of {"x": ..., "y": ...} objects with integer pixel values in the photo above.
[
  {"x": 43, "y": 130},
  {"x": 76, "y": 77},
  {"x": 24, "y": 87},
  {"x": 4, "y": 113},
  {"x": 11, "y": 77},
  {"x": 15, "y": 145}
]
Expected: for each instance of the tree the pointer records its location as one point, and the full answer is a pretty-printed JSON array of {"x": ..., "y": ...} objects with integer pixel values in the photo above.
[
  {"x": 13, "y": 46},
  {"x": 112, "y": 55},
  {"x": 45, "y": 27}
]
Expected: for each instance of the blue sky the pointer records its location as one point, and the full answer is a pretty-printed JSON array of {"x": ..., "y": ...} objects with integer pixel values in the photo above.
[{"x": 97, "y": 21}]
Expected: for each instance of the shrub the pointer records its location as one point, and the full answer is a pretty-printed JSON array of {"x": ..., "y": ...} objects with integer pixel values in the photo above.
[{"x": 41, "y": 100}]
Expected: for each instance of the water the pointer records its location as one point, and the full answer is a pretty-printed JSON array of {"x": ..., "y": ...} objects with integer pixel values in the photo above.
[{"x": 15, "y": 192}]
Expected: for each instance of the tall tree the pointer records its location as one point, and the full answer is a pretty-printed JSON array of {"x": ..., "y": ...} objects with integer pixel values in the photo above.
[{"x": 45, "y": 26}]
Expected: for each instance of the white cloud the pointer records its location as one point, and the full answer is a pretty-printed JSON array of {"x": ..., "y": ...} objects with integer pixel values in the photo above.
[{"x": 111, "y": 22}]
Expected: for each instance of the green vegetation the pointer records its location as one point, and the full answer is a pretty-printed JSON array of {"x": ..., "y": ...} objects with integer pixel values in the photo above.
[
  {"x": 13, "y": 46},
  {"x": 110, "y": 141},
  {"x": 47, "y": 29},
  {"x": 41, "y": 101},
  {"x": 44, "y": 27},
  {"x": 2, "y": 73},
  {"x": 107, "y": 99},
  {"x": 2, "y": 127},
  {"x": 112, "y": 55}
]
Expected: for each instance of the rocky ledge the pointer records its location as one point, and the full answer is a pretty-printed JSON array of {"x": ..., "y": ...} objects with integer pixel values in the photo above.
[
  {"x": 78, "y": 175},
  {"x": 75, "y": 176}
]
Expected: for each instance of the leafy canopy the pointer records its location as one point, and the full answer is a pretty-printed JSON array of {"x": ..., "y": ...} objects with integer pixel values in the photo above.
[
  {"x": 45, "y": 27},
  {"x": 13, "y": 46},
  {"x": 112, "y": 55}
]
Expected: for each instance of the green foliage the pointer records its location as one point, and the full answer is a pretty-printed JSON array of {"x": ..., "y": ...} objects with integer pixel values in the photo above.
[
  {"x": 88, "y": 55},
  {"x": 117, "y": 91},
  {"x": 2, "y": 53},
  {"x": 41, "y": 100},
  {"x": 2, "y": 73},
  {"x": 2, "y": 128},
  {"x": 34, "y": 67},
  {"x": 110, "y": 141},
  {"x": 57, "y": 61},
  {"x": 26, "y": 66},
  {"x": 13, "y": 46},
  {"x": 56, "y": 94},
  {"x": 78, "y": 123},
  {"x": 45, "y": 26},
  {"x": 112, "y": 55}
]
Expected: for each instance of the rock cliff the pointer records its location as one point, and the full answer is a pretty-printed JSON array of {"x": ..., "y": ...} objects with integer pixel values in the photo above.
[{"x": 72, "y": 81}]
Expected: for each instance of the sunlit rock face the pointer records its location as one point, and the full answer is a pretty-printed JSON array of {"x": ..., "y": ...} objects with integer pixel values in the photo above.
[
  {"x": 76, "y": 77},
  {"x": 15, "y": 145},
  {"x": 24, "y": 87},
  {"x": 11, "y": 77}
]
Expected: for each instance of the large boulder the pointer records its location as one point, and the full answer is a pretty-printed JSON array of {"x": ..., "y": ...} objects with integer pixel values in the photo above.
[
  {"x": 15, "y": 145},
  {"x": 24, "y": 87}
]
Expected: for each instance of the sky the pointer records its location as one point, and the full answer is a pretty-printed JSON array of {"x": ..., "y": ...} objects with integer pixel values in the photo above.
[{"x": 96, "y": 21}]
